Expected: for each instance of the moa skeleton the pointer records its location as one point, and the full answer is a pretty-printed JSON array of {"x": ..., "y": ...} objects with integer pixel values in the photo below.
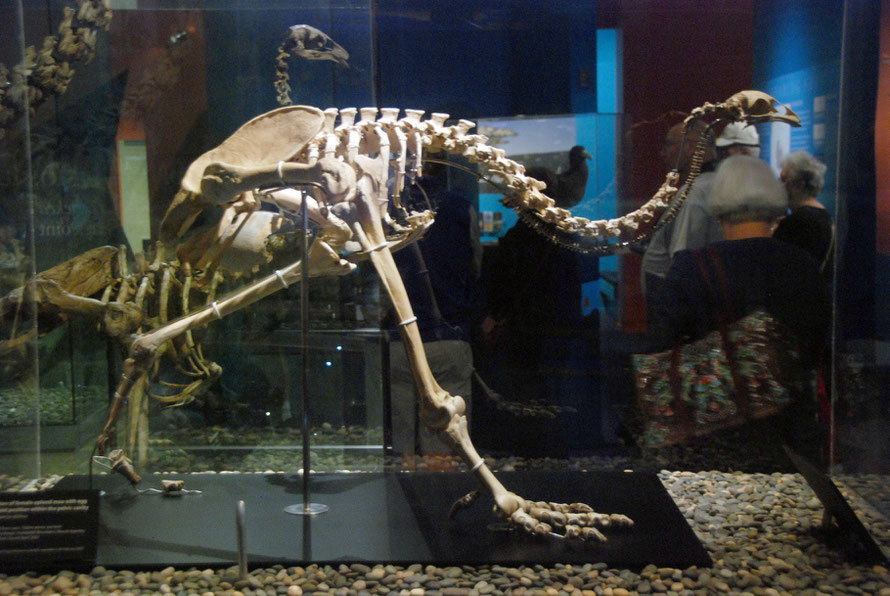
[
  {"x": 348, "y": 168},
  {"x": 351, "y": 174}
]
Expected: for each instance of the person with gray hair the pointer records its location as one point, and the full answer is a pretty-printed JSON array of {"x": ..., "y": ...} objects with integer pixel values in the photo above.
[
  {"x": 695, "y": 226},
  {"x": 745, "y": 191},
  {"x": 754, "y": 272},
  {"x": 809, "y": 225},
  {"x": 803, "y": 175}
]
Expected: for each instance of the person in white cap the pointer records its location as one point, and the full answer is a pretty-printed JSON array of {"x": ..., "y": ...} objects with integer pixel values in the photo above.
[
  {"x": 695, "y": 227},
  {"x": 738, "y": 138}
]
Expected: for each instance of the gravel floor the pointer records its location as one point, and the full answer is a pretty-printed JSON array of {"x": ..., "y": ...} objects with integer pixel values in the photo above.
[{"x": 762, "y": 531}]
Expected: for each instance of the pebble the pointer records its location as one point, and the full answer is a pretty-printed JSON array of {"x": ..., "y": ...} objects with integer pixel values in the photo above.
[{"x": 376, "y": 574}]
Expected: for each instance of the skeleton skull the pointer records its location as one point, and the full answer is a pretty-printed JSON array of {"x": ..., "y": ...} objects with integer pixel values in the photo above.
[{"x": 305, "y": 41}]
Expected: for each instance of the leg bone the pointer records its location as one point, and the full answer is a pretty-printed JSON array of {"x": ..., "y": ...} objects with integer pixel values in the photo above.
[{"x": 445, "y": 413}]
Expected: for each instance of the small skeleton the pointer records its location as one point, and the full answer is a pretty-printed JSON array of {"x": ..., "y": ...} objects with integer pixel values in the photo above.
[{"x": 297, "y": 154}]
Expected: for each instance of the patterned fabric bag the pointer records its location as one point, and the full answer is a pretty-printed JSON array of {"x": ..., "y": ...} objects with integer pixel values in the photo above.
[{"x": 744, "y": 371}]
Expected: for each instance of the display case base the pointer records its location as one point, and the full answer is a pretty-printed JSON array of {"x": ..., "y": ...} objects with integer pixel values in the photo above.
[{"x": 399, "y": 518}]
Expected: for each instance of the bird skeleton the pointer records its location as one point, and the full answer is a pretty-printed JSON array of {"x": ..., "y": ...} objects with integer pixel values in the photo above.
[
  {"x": 348, "y": 169},
  {"x": 342, "y": 171}
]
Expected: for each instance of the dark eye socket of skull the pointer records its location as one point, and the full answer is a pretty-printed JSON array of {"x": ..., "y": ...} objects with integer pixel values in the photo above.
[{"x": 320, "y": 43}]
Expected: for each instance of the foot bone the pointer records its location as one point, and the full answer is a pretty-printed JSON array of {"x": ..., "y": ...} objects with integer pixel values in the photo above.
[{"x": 575, "y": 520}]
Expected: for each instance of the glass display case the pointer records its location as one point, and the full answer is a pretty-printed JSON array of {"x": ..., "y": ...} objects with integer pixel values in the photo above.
[
  {"x": 94, "y": 155},
  {"x": 104, "y": 106}
]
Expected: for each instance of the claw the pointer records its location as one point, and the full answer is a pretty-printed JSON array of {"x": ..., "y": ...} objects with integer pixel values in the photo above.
[
  {"x": 592, "y": 534},
  {"x": 621, "y": 520}
]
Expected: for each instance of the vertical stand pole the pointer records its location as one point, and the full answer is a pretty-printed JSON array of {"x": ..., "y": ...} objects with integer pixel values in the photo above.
[
  {"x": 307, "y": 508},
  {"x": 242, "y": 548}
]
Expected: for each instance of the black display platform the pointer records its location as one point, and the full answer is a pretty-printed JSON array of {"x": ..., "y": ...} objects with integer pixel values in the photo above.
[{"x": 395, "y": 518}]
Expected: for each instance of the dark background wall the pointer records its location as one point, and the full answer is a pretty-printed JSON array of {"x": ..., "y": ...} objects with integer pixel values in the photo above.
[
  {"x": 489, "y": 58},
  {"x": 677, "y": 55}
]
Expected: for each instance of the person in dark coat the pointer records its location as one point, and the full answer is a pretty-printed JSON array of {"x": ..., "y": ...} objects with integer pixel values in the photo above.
[
  {"x": 758, "y": 272},
  {"x": 548, "y": 346},
  {"x": 809, "y": 224}
]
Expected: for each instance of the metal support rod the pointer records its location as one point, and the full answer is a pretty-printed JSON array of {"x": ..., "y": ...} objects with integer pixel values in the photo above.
[
  {"x": 242, "y": 546},
  {"x": 307, "y": 508},
  {"x": 304, "y": 349}
]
